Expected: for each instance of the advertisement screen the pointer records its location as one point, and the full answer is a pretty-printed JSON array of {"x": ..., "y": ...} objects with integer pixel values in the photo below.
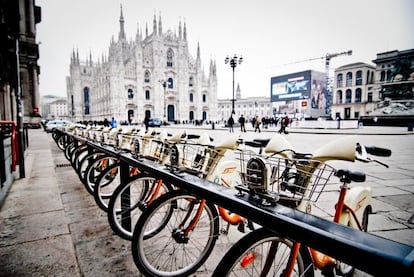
[{"x": 291, "y": 87}]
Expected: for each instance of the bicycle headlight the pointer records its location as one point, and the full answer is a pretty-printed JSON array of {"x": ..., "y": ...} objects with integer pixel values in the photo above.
[{"x": 256, "y": 174}]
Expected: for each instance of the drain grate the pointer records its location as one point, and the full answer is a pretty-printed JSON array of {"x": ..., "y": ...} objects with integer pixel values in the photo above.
[{"x": 63, "y": 165}]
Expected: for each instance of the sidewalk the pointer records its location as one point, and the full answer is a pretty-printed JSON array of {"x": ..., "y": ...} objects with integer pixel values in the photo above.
[
  {"x": 35, "y": 239},
  {"x": 50, "y": 225}
]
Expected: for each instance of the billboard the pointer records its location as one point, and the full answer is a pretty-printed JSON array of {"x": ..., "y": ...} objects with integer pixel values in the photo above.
[{"x": 289, "y": 87}]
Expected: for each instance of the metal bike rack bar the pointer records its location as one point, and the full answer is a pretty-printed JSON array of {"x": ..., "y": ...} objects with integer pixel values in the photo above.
[{"x": 372, "y": 254}]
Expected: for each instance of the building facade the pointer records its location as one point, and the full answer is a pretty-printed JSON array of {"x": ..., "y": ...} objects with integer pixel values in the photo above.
[
  {"x": 355, "y": 93},
  {"x": 19, "y": 82},
  {"x": 153, "y": 75},
  {"x": 248, "y": 107}
]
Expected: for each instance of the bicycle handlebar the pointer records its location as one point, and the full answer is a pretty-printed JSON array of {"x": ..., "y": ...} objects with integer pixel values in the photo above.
[{"x": 378, "y": 151}]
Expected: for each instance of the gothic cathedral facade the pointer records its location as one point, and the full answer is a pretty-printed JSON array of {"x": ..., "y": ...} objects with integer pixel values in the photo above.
[{"x": 152, "y": 76}]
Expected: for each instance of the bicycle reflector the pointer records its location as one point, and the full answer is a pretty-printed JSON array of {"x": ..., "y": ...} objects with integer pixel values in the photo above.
[
  {"x": 256, "y": 174},
  {"x": 247, "y": 260}
]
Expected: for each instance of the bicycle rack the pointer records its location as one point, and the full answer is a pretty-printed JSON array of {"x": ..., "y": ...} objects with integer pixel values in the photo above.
[{"x": 372, "y": 254}]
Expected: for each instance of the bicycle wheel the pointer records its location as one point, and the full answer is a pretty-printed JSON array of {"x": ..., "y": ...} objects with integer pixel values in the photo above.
[
  {"x": 168, "y": 241},
  {"x": 94, "y": 169},
  {"x": 342, "y": 268},
  {"x": 86, "y": 160},
  {"x": 106, "y": 183},
  {"x": 129, "y": 200},
  {"x": 251, "y": 254},
  {"x": 69, "y": 149}
]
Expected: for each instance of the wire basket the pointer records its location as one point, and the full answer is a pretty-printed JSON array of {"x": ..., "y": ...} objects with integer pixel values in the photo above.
[
  {"x": 194, "y": 158},
  {"x": 289, "y": 181}
]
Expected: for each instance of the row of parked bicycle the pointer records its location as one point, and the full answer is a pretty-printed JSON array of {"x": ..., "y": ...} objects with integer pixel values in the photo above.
[{"x": 173, "y": 230}]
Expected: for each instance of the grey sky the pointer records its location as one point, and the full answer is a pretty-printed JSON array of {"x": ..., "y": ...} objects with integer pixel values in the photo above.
[{"x": 268, "y": 33}]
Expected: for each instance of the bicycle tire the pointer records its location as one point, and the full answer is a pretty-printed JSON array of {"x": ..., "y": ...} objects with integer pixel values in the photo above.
[
  {"x": 128, "y": 202},
  {"x": 105, "y": 185},
  {"x": 83, "y": 164},
  {"x": 342, "y": 268},
  {"x": 69, "y": 149},
  {"x": 245, "y": 257},
  {"x": 93, "y": 171},
  {"x": 160, "y": 247}
]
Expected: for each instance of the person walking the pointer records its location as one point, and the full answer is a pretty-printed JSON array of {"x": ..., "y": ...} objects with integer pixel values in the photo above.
[
  {"x": 284, "y": 122},
  {"x": 113, "y": 123},
  {"x": 230, "y": 122},
  {"x": 146, "y": 122},
  {"x": 242, "y": 122},
  {"x": 257, "y": 123}
]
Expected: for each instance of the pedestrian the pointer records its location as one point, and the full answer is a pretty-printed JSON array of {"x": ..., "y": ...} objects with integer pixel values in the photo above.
[
  {"x": 257, "y": 123},
  {"x": 146, "y": 122},
  {"x": 113, "y": 123},
  {"x": 284, "y": 122},
  {"x": 230, "y": 123},
  {"x": 242, "y": 122},
  {"x": 106, "y": 122}
]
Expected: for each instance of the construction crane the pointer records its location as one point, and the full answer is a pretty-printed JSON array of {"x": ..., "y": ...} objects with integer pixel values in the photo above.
[{"x": 327, "y": 58}]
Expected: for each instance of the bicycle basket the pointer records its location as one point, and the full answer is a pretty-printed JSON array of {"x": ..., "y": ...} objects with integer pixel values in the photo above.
[
  {"x": 292, "y": 180},
  {"x": 194, "y": 158}
]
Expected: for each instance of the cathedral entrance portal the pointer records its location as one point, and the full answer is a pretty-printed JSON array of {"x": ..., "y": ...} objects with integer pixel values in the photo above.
[
  {"x": 170, "y": 113},
  {"x": 130, "y": 116}
]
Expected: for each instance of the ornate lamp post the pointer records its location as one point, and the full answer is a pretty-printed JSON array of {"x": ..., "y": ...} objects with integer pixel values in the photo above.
[
  {"x": 233, "y": 63},
  {"x": 164, "y": 85}
]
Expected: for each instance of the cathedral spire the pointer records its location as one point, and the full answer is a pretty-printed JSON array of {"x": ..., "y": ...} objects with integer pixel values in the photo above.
[
  {"x": 198, "y": 50},
  {"x": 185, "y": 31},
  {"x": 159, "y": 25},
  {"x": 180, "y": 33},
  {"x": 121, "y": 23},
  {"x": 238, "y": 92},
  {"x": 154, "y": 27}
]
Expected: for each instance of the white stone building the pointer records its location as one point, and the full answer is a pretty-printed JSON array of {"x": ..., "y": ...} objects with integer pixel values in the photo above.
[
  {"x": 355, "y": 92},
  {"x": 153, "y": 74}
]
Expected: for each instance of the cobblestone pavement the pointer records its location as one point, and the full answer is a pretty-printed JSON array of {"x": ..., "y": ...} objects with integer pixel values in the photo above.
[{"x": 50, "y": 225}]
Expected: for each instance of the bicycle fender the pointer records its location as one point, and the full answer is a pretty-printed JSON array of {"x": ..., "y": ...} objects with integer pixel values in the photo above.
[
  {"x": 357, "y": 198},
  {"x": 226, "y": 174}
]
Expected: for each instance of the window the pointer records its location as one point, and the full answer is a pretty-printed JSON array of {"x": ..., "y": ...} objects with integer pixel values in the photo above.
[
  {"x": 86, "y": 100},
  {"x": 389, "y": 75},
  {"x": 191, "y": 115},
  {"x": 369, "y": 97},
  {"x": 191, "y": 97},
  {"x": 339, "y": 97},
  {"x": 358, "y": 95},
  {"x": 349, "y": 79},
  {"x": 191, "y": 81},
  {"x": 339, "y": 80},
  {"x": 356, "y": 114},
  {"x": 147, "y": 95},
  {"x": 348, "y": 96},
  {"x": 130, "y": 94},
  {"x": 204, "y": 98},
  {"x": 170, "y": 83},
  {"x": 147, "y": 77},
  {"x": 382, "y": 77},
  {"x": 170, "y": 55},
  {"x": 358, "y": 78}
]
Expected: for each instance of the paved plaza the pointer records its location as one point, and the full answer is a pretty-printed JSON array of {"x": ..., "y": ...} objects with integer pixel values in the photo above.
[{"x": 51, "y": 226}]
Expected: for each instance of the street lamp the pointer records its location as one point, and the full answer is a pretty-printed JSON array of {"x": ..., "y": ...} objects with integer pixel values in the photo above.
[
  {"x": 233, "y": 63},
  {"x": 164, "y": 85}
]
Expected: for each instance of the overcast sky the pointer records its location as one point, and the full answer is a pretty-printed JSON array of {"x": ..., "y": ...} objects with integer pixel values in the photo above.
[{"x": 268, "y": 34}]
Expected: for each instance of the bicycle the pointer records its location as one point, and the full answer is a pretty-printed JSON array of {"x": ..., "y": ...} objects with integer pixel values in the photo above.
[
  {"x": 175, "y": 235},
  {"x": 297, "y": 178},
  {"x": 130, "y": 199}
]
